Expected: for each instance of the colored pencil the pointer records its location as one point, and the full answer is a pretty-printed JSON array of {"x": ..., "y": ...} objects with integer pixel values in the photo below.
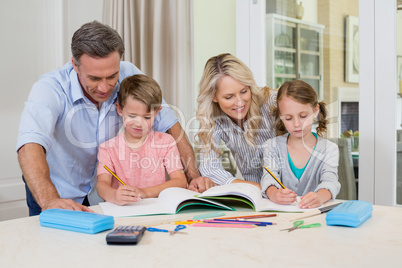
[
  {"x": 186, "y": 222},
  {"x": 114, "y": 175},
  {"x": 248, "y": 217},
  {"x": 223, "y": 225},
  {"x": 258, "y": 223},
  {"x": 275, "y": 177}
]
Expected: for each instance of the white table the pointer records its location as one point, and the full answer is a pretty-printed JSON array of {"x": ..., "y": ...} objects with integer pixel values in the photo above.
[{"x": 376, "y": 243}]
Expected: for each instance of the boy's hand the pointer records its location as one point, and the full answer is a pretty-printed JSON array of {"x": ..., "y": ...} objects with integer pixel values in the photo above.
[
  {"x": 127, "y": 194},
  {"x": 281, "y": 196}
]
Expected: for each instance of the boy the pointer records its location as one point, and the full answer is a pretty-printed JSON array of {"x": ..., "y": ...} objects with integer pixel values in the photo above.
[{"x": 138, "y": 156}]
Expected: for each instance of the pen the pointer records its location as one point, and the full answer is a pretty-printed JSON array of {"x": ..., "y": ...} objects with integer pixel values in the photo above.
[
  {"x": 114, "y": 175},
  {"x": 275, "y": 177}
]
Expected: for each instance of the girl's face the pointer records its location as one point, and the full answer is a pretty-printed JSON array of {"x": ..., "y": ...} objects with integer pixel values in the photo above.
[
  {"x": 233, "y": 98},
  {"x": 136, "y": 119},
  {"x": 297, "y": 117}
]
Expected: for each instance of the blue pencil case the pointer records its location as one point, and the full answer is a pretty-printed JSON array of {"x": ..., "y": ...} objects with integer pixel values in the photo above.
[
  {"x": 350, "y": 213},
  {"x": 78, "y": 221}
]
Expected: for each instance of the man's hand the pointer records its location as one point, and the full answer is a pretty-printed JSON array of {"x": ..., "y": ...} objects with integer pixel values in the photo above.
[
  {"x": 65, "y": 204},
  {"x": 201, "y": 184},
  {"x": 34, "y": 166}
]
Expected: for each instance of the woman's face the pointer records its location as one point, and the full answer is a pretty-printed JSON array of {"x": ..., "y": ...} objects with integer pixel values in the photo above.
[{"x": 233, "y": 98}]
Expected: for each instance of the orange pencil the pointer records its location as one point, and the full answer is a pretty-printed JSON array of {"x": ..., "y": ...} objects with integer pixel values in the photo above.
[
  {"x": 275, "y": 178},
  {"x": 114, "y": 175}
]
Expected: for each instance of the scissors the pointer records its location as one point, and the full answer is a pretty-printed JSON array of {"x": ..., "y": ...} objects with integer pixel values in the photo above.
[
  {"x": 299, "y": 224},
  {"x": 176, "y": 230}
]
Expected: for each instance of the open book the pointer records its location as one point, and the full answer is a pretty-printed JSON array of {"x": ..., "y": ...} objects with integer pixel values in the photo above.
[{"x": 172, "y": 200}]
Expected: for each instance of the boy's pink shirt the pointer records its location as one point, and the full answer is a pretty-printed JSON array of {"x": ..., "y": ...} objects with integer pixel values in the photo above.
[{"x": 143, "y": 167}]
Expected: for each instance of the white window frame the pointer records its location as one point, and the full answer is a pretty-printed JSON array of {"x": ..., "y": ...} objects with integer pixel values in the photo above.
[{"x": 377, "y": 164}]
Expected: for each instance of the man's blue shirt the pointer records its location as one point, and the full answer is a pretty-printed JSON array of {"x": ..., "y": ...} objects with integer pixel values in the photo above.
[{"x": 68, "y": 125}]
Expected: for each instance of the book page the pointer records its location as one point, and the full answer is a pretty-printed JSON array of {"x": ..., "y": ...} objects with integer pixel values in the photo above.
[
  {"x": 167, "y": 203},
  {"x": 147, "y": 206},
  {"x": 174, "y": 196},
  {"x": 244, "y": 190},
  {"x": 253, "y": 194},
  {"x": 268, "y": 205}
]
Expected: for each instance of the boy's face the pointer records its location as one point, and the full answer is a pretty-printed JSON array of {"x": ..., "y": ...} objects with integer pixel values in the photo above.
[{"x": 136, "y": 119}]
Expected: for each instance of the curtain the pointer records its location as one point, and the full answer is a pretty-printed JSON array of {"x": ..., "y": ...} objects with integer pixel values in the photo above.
[{"x": 158, "y": 40}]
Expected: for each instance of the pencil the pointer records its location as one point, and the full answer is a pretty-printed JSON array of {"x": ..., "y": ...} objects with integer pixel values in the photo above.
[
  {"x": 114, "y": 175},
  {"x": 275, "y": 177},
  {"x": 248, "y": 217},
  {"x": 223, "y": 225},
  {"x": 258, "y": 223}
]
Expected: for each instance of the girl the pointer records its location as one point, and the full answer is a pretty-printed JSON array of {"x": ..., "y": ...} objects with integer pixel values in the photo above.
[
  {"x": 232, "y": 108},
  {"x": 303, "y": 161}
]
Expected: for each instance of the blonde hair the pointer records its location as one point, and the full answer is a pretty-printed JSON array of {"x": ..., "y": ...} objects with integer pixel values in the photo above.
[
  {"x": 208, "y": 111},
  {"x": 301, "y": 92}
]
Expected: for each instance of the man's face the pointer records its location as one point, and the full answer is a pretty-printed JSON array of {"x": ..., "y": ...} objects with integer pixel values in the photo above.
[{"x": 98, "y": 76}]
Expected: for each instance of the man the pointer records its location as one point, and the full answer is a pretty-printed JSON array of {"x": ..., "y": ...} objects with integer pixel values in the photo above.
[{"x": 70, "y": 111}]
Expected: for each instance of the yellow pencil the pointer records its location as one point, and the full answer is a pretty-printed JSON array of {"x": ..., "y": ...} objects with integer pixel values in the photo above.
[
  {"x": 114, "y": 175},
  {"x": 275, "y": 177}
]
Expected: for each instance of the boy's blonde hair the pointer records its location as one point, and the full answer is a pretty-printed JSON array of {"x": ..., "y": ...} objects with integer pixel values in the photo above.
[{"x": 142, "y": 88}]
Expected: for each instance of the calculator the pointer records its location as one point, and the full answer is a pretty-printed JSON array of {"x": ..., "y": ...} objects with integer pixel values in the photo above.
[{"x": 126, "y": 235}]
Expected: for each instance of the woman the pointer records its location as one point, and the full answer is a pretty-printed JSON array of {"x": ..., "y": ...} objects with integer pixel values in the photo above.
[{"x": 232, "y": 108}]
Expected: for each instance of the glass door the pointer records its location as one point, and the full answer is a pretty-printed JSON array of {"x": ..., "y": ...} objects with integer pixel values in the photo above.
[
  {"x": 284, "y": 51},
  {"x": 310, "y": 46},
  {"x": 294, "y": 50},
  {"x": 310, "y": 55},
  {"x": 360, "y": 73}
]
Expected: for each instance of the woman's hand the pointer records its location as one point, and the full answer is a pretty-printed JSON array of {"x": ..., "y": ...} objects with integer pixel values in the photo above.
[{"x": 201, "y": 184}]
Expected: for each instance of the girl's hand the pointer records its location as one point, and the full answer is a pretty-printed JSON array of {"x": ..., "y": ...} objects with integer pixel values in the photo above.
[
  {"x": 126, "y": 194},
  {"x": 312, "y": 200},
  {"x": 281, "y": 196}
]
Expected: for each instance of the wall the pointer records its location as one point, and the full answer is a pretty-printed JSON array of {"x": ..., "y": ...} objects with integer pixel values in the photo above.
[
  {"x": 37, "y": 36},
  {"x": 214, "y": 33},
  {"x": 310, "y": 10},
  {"x": 44, "y": 44}
]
